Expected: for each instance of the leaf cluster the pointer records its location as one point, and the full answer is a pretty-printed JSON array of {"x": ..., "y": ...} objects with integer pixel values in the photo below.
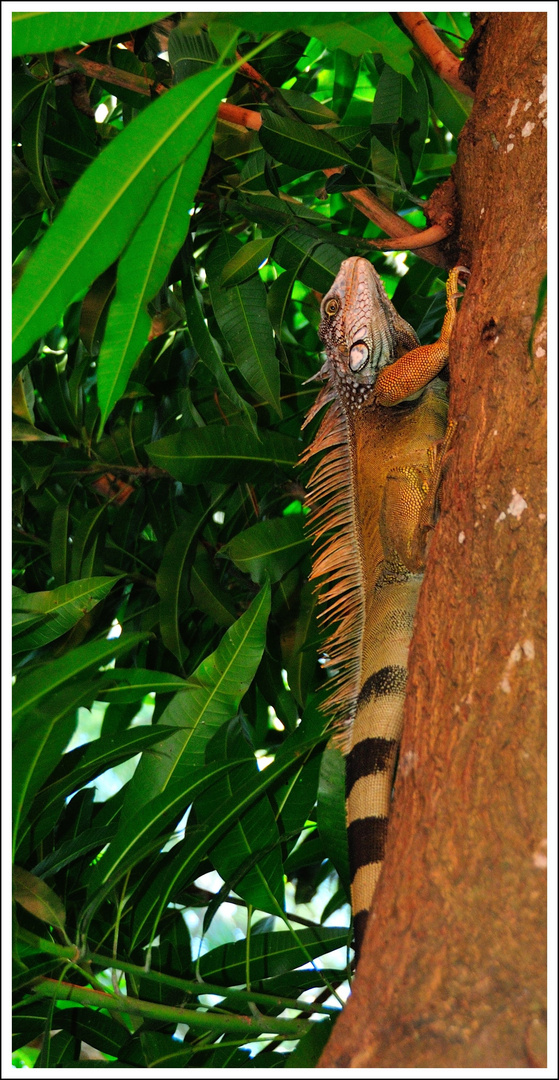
[{"x": 168, "y": 263}]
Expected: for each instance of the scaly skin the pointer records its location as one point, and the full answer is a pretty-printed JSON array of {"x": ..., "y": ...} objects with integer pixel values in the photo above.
[{"x": 375, "y": 492}]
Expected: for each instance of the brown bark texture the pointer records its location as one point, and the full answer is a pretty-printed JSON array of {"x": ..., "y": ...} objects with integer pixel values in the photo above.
[{"x": 453, "y": 968}]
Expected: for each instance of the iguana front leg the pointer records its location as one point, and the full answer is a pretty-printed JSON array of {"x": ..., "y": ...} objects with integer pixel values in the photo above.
[{"x": 416, "y": 368}]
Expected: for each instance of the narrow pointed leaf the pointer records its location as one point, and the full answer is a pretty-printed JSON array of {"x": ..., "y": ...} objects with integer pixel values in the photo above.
[
  {"x": 125, "y": 685},
  {"x": 143, "y": 827},
  {"x": 141, "y": 273},
  {"x": 331, "y": 812},
  {"x": 40, "y": 743},
  {"x": 224, "y": 454},
  {"x": 269, "y": 548},
  {"x": 38, "y": 898},
  {"x": 30, "y": 689},
  {"x": 60, "y": 608},
  {"x": 246, "y": 261},
  {"x": 189, "y": 855},
  {"x": 211, "y": 697},
  {"x": 243, "y": 320},
  {"x": 86, "y": 762},
  {"x": 253, "y": 841},
  {"x": 172, "y": 582},
  {"x": 270, "y": 954},
  {"x": 208, "y": 349},
  {"x": 45, "y": 31},
  {"x": 32, "y": 137},
  {"x": 109, "y": 200},
  {"x": 299, "y": 145}
]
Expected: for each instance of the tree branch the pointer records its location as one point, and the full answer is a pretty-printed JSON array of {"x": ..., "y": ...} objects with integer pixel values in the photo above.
[{"x": 441, "y": 59}]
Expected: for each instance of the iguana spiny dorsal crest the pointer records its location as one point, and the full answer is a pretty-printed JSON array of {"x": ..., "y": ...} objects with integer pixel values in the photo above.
[{"x": 372, "y": 500}]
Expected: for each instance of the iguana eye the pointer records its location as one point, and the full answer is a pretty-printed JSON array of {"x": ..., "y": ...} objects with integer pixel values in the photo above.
[
  {"x": 358, "y": 356},
  {"x": 332, "y": 306}
]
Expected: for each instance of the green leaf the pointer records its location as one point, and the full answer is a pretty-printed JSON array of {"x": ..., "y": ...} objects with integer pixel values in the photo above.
[
  {"x": 270, "y": 954},
  {"x": 85, "y": 540},
  {"x": 298, "y": 657},
  {"x": 395, "y": 100},
  {"x": 32, "y": 137},
  {"x": 295, "y": 799},
  {"x": 172, "y": 581},
  {"x": 279, "y": 296},
  {"x": 40, "y": 744},
  {"x": 95, "y": 1029},
  {"x": 316, "y": 263},
  {"x": 60, "y": 608},
  {"x": 190, "y": 53},
  {"x": 32, "y": 688},
  {"x": 207, "y": 593},
  {"x": 141, "y": 273},
  {"x": 25, "y": 90},
  {"x": 355, "y": 32},
  {"x": 132, "y": 684},
  {"x": 208, "y": 349},
  {"x": 24, "y": 432},
  {"x": 199, "y": 841},
  {"x": 331, "y": 812},
  {"x": 223, "y": 454},
  {"x": 269, "y": 548},
  {"x": 247, "y": 844},
  {"x": 45, "y": 31},
  {"x": 346, "y": 68},
  {"x": 362, "y": 32},
  {"x": 450, "y": 106},
  {"x": 65, "y": 141},
  {"x": 110, "y": 199},
  {"x": 299, "y": 145},
  {"x": 83, "y": 764},
  {"x": 310, "y": 110},
  {"x": 246, "y": 261},
  {"x": 308, "y": 1050},
  {"x": 38, "y": 898},
  {"x": 141, "y": 831},
  {"x": 211, "y": 697},
  {"x": 59, "y": 541},
  {"x": 243, "y": 320}
]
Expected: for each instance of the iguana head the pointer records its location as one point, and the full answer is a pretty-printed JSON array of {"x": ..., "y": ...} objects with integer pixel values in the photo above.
[{"x": 361, "y": 331}]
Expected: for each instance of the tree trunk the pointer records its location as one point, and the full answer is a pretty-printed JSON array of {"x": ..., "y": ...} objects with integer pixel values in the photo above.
[{"x": 453, "y": 968}]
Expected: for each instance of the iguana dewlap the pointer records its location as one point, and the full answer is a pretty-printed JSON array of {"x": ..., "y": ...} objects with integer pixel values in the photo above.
[{"x": 372, "y": 503}]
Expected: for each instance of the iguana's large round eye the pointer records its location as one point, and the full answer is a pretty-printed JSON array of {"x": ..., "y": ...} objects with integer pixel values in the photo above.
[
  {"x": 358, "y": 356},
  {"x": 332, "y": 306}
]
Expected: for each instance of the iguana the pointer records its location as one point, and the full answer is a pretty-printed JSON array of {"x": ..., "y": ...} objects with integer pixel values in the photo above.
[{"x": 372, "y": 499}]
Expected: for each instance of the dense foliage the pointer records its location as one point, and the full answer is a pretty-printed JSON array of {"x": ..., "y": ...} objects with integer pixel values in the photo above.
[{"x": 169, "y": 271}]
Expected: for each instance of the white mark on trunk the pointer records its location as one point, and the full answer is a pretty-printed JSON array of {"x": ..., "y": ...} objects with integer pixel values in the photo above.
[
  {"x": 514, "y": 107},
  {"x": 517, "y": 505},
  {"x": 519, "y": 650},
  {"x": 539, "y": 856}
]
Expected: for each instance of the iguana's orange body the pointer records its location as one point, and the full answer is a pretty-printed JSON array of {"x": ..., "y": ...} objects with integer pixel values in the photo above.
[{"x": 372, "y": 499}]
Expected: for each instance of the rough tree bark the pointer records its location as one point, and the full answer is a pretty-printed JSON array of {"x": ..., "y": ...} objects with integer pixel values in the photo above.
[{"x": 453, "y": 969}]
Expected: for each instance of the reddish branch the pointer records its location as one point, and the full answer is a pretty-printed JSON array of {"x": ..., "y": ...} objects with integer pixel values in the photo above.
[
  {"x": 441, "y": 59},
  {"x": 69, "y": 61}
]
